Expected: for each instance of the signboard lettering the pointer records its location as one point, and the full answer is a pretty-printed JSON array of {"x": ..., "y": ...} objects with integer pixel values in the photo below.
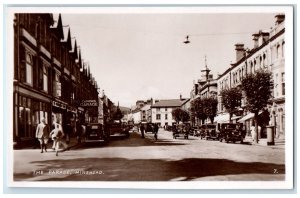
[
  {"x": 88, "y": 103},
  {"x": 58, "y": 104}
]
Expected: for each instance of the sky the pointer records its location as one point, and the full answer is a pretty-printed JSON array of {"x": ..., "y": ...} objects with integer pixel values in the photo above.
[{"x": 142, "y": 56}]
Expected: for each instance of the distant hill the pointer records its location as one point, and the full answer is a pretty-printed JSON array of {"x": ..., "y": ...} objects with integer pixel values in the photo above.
[{"x": 125, "y": 109}]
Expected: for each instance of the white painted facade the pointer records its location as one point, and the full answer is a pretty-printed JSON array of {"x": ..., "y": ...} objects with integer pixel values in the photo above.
[
  {"x": 162, "y": 116},
  {"x": 268, "y": 54}
]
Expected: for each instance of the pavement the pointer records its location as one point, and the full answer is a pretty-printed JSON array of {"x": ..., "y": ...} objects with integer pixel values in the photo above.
[{"x": 278, "y": 143}]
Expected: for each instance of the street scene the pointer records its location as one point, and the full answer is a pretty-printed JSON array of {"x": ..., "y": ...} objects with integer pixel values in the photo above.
[
  {"x": 192, "y": 96},
  {"x": 167, "y": 159}
]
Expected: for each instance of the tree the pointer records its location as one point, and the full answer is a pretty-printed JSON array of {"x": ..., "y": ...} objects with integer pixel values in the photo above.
[
  {"x": 197, "y": 107},
  {"x": 210, "y": 107},
  {"x": 231, "y": 99},
  {"x": 117, "y": 114},
  {"x": 258, "y": 91},
  {"x": 180, "y": 115}
]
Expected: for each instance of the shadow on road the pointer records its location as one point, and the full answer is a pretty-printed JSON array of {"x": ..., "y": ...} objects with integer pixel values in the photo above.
[
  {"x": 122, "y": 169},
  {"x": 134, "y": 140}
]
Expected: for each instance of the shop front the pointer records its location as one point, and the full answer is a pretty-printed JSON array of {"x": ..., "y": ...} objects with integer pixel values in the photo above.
[{"x": 29, "y": 108}]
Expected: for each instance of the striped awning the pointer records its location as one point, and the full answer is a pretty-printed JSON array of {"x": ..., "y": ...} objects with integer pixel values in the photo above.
[
  {"x": 247, "y": 117},
  {"x": 221, "y": 118}
]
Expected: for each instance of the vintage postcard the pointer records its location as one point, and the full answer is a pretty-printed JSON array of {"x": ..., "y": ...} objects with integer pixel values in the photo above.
[{"x": 149, "y": 97}]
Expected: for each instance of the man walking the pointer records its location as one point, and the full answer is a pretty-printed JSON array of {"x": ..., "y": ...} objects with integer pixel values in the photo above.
[
  {"x": 142, "y": 128},
  {"x": 42, "y": 133},
  {"x": 155, "y": 130}
]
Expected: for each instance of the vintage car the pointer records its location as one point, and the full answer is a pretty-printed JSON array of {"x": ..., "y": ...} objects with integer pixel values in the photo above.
[
  {"x": 94, "y": 132},
  {"x": 209, "y": 131},
  {"x": 149, "y": 128},
  {"x": 231, "y": 132},
  {"x": 180, "y": 130},
  {"x": 117, "y": 129}
]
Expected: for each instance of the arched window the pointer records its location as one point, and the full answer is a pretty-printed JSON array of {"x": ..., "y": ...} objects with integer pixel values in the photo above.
[
  {"x": 264, "y": 60},
  {"x": 278, "y": 52},
  {"x": 242, "y": 72},
  {"x": 260, "y": 62},
  {"x": 283, "y": 51}
]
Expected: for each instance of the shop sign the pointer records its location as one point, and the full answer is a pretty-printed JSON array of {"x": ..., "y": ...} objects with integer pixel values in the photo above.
[
  {"x": 72, "y": 109},
  {"x": 59, "y": 105},
  {"x": 80, "y": 109},
  {"x": 88, "y": 103}
]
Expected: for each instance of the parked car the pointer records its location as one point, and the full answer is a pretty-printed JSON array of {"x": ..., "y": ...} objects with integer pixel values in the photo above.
[
  {"x": 117, "y": 129},
  {"x": 149, "y": 128},
  {"x": 209, "y": 131},
  {"x": 180, "y": 130},
  {"x": 231, "y": 132},
  {"x": 95, "y": 133}
]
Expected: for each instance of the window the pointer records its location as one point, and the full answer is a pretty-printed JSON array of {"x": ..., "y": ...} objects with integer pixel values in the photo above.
[
  {"x": 56, "y": 85},
  {"x": 283, "y": 83},
  {"x": 264, "y": 60},
  {"x": 166, "y": 116},
  {"x": 283, "y": 51},
  {"x": 157, "y": 116},
  {"x": 29, "y": 65},
  {"x": 166, "y": 109},
  {"x": 276, "y": 85},
  {"x": 279, "y": 54},
  {"x": 45, "y": 78}
]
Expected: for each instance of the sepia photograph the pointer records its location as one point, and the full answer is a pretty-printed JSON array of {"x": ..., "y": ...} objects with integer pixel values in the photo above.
[{"x": 150, "y": 97}]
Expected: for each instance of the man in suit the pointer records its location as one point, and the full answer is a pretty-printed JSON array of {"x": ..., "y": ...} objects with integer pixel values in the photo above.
[{"x": 42, "y": 134}]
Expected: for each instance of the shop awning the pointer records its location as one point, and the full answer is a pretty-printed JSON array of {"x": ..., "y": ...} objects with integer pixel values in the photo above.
[
  {"x": 247, "y": 117},
  {"x": 225, "y": 118}
]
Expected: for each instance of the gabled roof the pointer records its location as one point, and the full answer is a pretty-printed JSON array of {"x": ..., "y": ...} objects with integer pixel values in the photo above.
[{"x": 170, "y": 103}]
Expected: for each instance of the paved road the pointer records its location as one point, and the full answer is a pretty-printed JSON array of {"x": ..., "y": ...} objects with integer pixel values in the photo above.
[{"x": 137, "y": 159}]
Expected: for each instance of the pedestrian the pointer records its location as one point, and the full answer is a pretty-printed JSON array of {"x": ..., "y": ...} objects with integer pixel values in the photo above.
[
  {"x": 78, "y": 131},
  {"x": 142, "y": 128},
  {"x": 259, "y": 131},
  {"x": 42, "y": 133},
  {"x": 67, "y": 131},
  {"x": 57, "y": 135},
  {"x": 253, "y": 134},
  {"x": 155, "y": 128}
]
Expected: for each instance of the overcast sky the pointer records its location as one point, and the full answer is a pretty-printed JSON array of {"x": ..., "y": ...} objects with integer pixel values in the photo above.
[{"x": 139, "y": 56}]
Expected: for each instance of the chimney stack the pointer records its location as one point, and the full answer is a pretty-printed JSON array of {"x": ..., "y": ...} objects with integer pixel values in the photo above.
[
  {"x": 240, "y": 51},
  {"x": 180, "y": 97},
  {"x": 265, "y": 36},
  {"x": 255, "y": 39},
  {"x": 279, "y": 18}
]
